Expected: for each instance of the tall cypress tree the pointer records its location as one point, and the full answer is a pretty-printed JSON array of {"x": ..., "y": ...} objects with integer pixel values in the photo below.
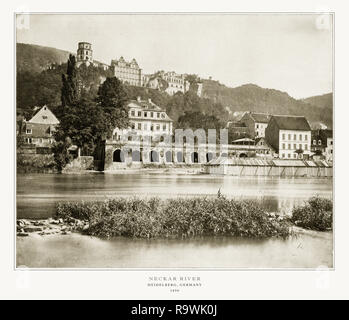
[{"x": 69, "y": 92}]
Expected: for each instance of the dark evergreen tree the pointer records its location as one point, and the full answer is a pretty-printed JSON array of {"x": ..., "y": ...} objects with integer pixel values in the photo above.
[{"x": 70, "y": 89}]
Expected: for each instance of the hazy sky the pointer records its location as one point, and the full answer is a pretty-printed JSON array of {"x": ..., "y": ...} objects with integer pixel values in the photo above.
[{"x": 291, "y": 53}]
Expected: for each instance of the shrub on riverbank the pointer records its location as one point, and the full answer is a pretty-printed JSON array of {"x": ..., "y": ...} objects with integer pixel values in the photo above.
[
  {"x": 35, "y": 163},
  {"x": 315, "y": 214},
  {"x": 180, "y": 217}
]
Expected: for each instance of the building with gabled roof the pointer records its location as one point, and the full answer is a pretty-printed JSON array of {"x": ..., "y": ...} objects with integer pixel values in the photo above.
[
  {"x": 256, "y": 123},
  {"x": 146, "y": 119},
  {"x": 290, "y": 136},
  {"x": 127, "y": 72},
  {"x": 40, "y": 128}
]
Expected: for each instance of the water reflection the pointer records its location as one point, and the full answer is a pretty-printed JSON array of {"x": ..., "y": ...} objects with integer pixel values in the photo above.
[{"x": 38, "y": 193}]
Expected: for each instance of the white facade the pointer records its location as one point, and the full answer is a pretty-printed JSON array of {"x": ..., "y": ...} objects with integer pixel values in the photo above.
[
  {"x": 292, "y": 140},
  {"x": 146, "y": 120},
  {"x": 260, "y": 129},
  {"x": 329, "y": 150}
]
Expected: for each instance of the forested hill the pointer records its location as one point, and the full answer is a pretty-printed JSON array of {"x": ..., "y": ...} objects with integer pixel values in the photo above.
[
  {"x": 34, "y": 58},
  {"x": 324, "y": 101},
  {"x": 37, "y": 85},
  {"x": 252, "y": 97}
]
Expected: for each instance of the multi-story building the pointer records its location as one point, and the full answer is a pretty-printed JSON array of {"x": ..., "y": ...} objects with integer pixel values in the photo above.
[
  {"x": 39, "y": 129},
  {"x": 84, "y": 55},
  {"x": 146, "y": 119},
  {"x": 256, "y": 123},
  {"x": 176, "y": 82},
  {"x": 127, "y": 72},
  {"x": 290, "y": 136},
  {"x": 322, "y": 143}
]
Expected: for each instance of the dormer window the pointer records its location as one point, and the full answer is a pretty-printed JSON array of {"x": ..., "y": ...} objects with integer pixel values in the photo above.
[
  {"x": 314, "y": 142},
  {"x": 319, "y": 142},
  {"x": 162, "y": 115}
]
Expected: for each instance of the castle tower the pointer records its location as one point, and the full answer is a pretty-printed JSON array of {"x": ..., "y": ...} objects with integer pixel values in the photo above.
[{"x": 84, "y": 53}]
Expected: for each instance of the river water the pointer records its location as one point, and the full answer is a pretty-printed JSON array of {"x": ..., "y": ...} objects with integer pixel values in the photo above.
[{"x": 38, "y": 193}]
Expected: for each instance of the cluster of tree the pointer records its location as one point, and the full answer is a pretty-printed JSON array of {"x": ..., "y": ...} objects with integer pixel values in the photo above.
[
  {"x": 87, "y": 119},
  {"x": 251, "y": 97}
]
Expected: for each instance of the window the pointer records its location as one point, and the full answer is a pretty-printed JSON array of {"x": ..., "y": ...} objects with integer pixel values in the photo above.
[
  {"x": 294, "y": 156},
  {"x": 164, "y": 127},
  {"x": 139, "y": 113},
  {"x": 306, "y": 137},
  {"x": 151, "y": 114},
  {"x": 158, "y": 114},
  {"x": 289, "y": 137},
  {"x": 305, "y": 147},
  {"x": 283, "y": 155},
  {"x": 289, "y": 156},
  {"x": 294, "y": 137},
  {"x": 133, "y": 126},
  {"x": 145, "y": 114},
  {"x": 289, "y": 146},
  {"x": 300, "y": 147},
  {"x": 44, "y": 117},
  {"x": 283, "y": 136},
  {"x": 314, "y": 142},
  {"x": 295, "y": 146},
  {"x": 157, "y": 127},
  {"x": 319, "y": 142},
  {"x": 139, "y": 126},
  {"x": 331, "y": 142},
  {"x": 132, "y": 113},
  {"x": 257, "y": 126},
  {"x": 29, "y": 131},
  {"x": 300, "y": 137},
  {"x": 283, "y": 146},
  {"x": 162, "y": 115}
]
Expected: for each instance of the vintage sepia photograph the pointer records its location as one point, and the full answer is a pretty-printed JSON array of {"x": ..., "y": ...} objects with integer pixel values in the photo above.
[{"x": 174, "y": 141}]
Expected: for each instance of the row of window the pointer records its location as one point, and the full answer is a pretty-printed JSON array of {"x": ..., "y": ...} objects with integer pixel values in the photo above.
[
  {"x": 295, "y": 156},
  {"x": 294, "y": 137},
  {"x": 38, "y": 140},
  {"x": 153, "y": 127},
  {"x": 146, "y": 114},
  {"x": 289, "y": 146}
]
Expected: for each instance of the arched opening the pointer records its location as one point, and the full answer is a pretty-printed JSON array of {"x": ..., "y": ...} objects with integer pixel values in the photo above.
[
  {"x": 154, "y": 156},
  {"x": 168, "y": 156},
  {"x": 209, "y": 156},
  {"x": 118, "y": 156},
  {"x": 136, "y": 155},
  {"x": 243, "y": 155},
  {"x": 180, "y": 156},
  {"x": 194, "y": 157}
]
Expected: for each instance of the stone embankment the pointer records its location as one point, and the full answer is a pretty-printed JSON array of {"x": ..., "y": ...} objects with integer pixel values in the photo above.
[{"x": 26, "y": 227}]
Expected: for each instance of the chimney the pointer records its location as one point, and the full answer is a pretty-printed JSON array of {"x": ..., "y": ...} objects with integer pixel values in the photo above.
[{"x": 139, "y": 99}]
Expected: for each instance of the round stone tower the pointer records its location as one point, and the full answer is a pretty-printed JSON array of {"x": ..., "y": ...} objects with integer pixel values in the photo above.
[{"x": 84, "y": 53}]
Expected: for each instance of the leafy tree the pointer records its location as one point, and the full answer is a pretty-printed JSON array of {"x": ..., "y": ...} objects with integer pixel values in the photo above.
[{"x": 112, "y": 98}]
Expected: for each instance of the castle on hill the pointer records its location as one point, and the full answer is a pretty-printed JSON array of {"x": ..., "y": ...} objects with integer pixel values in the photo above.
[{"x": 130, "y": 72}]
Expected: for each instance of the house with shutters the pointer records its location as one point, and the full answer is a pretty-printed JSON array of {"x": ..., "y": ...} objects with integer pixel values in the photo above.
[
  {"x": 289, "y": 136},
  {"x": 256, "y": 123},
  {"x": 38, "y": 131}
]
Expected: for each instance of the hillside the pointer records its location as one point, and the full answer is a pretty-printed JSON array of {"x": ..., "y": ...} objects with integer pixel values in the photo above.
[
  {"x": 324, "y": 101},
  {"x": 254, "y": 98},
  {"x": 37, "y": 86},
  {"x": 34, "y": 58}
]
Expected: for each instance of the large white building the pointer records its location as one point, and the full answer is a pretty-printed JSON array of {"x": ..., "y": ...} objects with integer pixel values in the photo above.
[
  {"x": 146, "y": 120},
  {"x": 290, "y": 136},
  {"x": 127, "y": 72}
]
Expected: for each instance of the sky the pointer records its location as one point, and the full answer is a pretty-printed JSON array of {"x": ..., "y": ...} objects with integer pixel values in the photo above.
[{"x": 287, "y": 52}]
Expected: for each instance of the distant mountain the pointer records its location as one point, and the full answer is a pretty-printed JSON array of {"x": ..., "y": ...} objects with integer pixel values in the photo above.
[
  {"x": 34, "y": 58},
  {"x": 324, "y": 101},
  {"x": 250, "y": 97}
]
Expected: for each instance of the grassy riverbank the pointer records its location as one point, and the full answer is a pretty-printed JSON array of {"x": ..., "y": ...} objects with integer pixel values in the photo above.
[
  {"x": 315, "y": 214},
  {"x": 175, "y": 218}
]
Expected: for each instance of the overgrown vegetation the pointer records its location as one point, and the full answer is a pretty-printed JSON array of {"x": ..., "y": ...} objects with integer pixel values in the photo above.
[
  {"x": 315, "y": 214},
  {"x": 175, "y": 218},
  {"x": 35, "y": 163}
]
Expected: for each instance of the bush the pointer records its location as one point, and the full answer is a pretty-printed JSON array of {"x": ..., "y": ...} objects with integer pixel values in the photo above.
[
  {"x": 180, "y": 217},
  {"x": 315, "y": 214}
]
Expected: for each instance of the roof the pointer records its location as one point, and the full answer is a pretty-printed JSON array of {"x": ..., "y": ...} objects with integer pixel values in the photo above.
[
  {"x": 148, "y": 105},
  {"x": 292, "y": 123},
  {"x": 39, "y": 130},
  {"x": 44, "y": 116},
  {"x": 259, "y": 117},
  {"x": 243, "y": 140}
]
